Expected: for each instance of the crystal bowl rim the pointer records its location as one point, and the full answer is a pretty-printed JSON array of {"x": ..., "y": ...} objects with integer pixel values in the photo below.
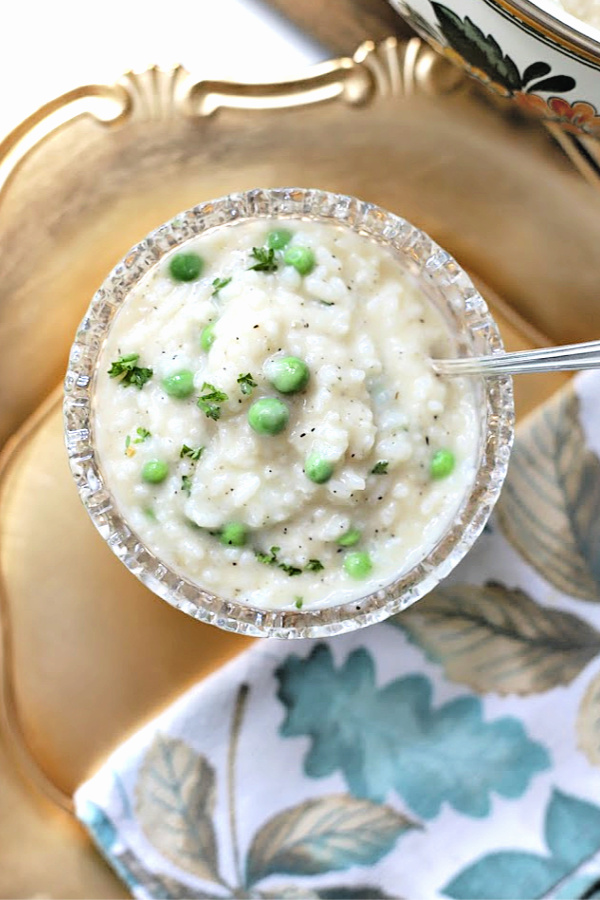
[{"x": 368, "y": 219}]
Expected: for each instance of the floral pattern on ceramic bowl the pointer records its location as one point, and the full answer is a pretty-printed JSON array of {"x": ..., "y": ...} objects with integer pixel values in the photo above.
[{"x": 519, "y": 49}]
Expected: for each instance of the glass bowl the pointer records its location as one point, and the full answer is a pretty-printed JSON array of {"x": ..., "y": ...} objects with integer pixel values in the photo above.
[{"x": 437, "y": 274}]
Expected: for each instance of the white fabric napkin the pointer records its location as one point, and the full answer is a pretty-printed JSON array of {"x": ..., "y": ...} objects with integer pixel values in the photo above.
[{"x": 452, "y": 752}]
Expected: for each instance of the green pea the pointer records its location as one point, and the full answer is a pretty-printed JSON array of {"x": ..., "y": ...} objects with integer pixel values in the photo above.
[
  {"x": 317, "y": 468},
  {"x": 442, "y": 464},
  {"x": 268, "y": 416},
  {"x": 207, "y": 336},
  {"x": 278, "y": 238},
  {"x": 288, "y": 374},
  {"x": 179, "y": 384},
  {"x": 301, "y": 258},
  {"x": 233, "y": 534},
  {"x": 358, "y": 564},
  {"x": 155, "y": 471},
  {"x": 186, "y": 266},
  {"x": 350, "y": 538}
]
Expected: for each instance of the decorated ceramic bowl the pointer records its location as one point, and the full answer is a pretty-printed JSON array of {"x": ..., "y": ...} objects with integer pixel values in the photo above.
[{"x": 546, "y": 60}]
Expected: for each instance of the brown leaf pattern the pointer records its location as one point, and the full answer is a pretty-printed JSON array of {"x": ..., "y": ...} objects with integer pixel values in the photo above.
[
  {"x": 498, "y": 640},
  {"x": 588, "y": 722},
  {"x": 174, "y": 798},
  {"x": 549, "y": 504},
  {"x": 161, "y": 887},
  {"x": 323, "y": 835}
]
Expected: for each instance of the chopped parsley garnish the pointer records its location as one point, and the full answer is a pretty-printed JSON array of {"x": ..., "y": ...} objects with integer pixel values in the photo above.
[
  {"x": 380, "y": 468},
  {"x": 186, "y": 484},
  {"x": 219, "y": 283},
  {"x": 265, "y": 260},
  {"x": 246, "y": 383},
  {"x": 298, "y": 602},
  {"x": 214, "y": 393},
  {"x": 290, "y": 570},
  {"x": 270, "y": 558},
  {"x": 191, "y": 453},
  {"x": 126, "y": 370},
  {"x": 327, "y": 302},
  {"x": 143, "y": 435},
  {"x": 209, "y": 402}
]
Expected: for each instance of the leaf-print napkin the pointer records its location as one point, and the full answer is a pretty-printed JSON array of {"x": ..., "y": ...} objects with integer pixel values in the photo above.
[{"x": 452, "y": 752}]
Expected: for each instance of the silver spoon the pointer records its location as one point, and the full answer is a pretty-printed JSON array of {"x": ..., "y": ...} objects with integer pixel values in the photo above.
[{"x": 570, "y": 358}]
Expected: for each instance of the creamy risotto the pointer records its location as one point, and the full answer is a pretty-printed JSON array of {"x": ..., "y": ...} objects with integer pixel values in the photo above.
[
  {"x": 268, "y": 421},
  {"x": 586, "y": 10}
]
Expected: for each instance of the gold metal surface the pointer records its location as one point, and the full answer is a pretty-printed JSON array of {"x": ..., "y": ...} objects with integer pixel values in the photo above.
[
  {"x": 494, "y": 195},
  {"x": 93, "y": 653}
]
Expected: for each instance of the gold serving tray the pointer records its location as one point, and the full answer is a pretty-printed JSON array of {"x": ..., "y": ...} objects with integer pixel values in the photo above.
[{"x": 89, "y": 654}]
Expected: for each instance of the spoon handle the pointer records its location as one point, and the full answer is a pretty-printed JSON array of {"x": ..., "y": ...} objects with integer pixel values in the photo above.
[{"x": 570, "y": 358}]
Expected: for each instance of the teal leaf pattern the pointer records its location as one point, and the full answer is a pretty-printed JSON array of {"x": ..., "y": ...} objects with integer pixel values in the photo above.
[
  {"x": 549, "y": 504},
  {"x": 480, "y": 50},
  {"x": 572, "y": 829},
  {"x": 100, "y": 826},
  {"x": 326, "y": 834},
  {"x": 498, "y": 639},
  {"x": 572, "y": 832},
  {"x": 104, "y": 834},
  {"x": 391, "y": 738},
  {"x": 174, "y": 798},
  {"x": 579, "y": 886},
  {"x": 506, "y": 875}
]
